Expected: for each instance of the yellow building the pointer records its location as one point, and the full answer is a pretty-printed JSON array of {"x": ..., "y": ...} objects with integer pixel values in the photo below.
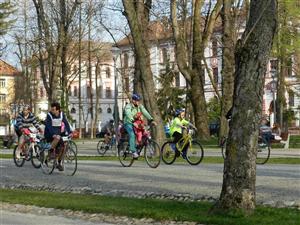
[{"x": 8, "y": 75}]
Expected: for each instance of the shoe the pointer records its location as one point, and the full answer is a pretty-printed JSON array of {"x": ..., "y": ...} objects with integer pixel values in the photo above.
[
  {"x": 135, "y": 155},
  {"x": 177, "y": 153},
  {"x": 60, "y": 167},
  {"x": 184, "y": 156}
]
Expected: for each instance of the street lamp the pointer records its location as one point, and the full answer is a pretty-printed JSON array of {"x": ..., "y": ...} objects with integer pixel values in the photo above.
[
  {"x": 273, "y": 89},
  {"x": 116, "y": 53}
]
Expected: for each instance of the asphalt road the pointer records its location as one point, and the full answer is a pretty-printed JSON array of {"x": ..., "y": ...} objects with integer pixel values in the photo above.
[{"x": 274, "y": 182}]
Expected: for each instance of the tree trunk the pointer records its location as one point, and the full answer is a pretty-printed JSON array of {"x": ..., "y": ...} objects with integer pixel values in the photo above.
[
  {"x": 133, "y": 11},
  {"x": 227, "y": 65},
  {"x": 238, "y": 190}
]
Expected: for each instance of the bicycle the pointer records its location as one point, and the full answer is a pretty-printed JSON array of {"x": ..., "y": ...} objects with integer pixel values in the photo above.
[
  {"x": 30, "y": 150},
  {"x": 151, "y": 150},
  {"x": 73, "y": 145},
  {"x": 102, "y": 147},
  {"x": 49, "y": 160},
  {"x": 194, "y": 150},
  {"x": 263, "y": 150}
]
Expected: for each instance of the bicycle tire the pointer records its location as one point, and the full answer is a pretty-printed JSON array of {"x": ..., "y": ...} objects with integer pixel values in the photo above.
[
  {"x": 152, "y": 154},
  {"x": 35, "y": 154},
  {"x": 19, "y": 162},
  {"x": 168, "y": 154},
  {"x": 47, "y": 164},
  {"x": 263, "y": 153},
  {"x": 69, "y": 162},
  {"x": 101, "y": 148},
  {"x": 194, "y": 153},
  {"x": 124, "y": 155},
  {"x": 73, "y": 145}
]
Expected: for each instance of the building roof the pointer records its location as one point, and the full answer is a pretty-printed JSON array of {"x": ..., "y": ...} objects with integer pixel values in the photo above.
[{"x": 7, "y": 69}]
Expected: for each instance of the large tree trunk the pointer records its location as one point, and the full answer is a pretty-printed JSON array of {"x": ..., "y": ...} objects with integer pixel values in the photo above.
[
  {"x": 238, "y": 190},
  {"x": 134, "y": 12},
  {"x": 227, "y": 64}
]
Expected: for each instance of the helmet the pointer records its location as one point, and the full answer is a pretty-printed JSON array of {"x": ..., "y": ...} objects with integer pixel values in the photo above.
[
  {"x": 136, "y": 97},
  {"x": 178, "y": 111}
]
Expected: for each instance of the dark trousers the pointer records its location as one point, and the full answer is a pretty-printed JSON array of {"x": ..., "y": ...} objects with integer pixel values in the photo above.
[{"x": 176, "y": 137}]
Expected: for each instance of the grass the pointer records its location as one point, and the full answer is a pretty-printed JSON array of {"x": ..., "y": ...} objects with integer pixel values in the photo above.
[
  {"x": 206, "y": 159},
  {"x": 149, "y": 208},
  {"x": 294, "y": 141}
]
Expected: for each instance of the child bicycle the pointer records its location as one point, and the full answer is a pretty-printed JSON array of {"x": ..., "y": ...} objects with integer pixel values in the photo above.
[
  {"x": 30, "y": 150},
  {"x": 151, "y": 150},
  {"x": 194, "y": 151},
  {"x": 49, "y": 160},
  {"x": 263, "y": 150}
]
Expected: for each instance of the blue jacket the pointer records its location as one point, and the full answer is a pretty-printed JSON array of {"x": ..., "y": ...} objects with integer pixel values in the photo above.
[{"x": 53, "y": 125}]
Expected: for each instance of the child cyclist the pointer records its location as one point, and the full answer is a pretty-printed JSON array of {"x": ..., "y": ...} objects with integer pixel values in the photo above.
[{"x": 178, "y": 124}]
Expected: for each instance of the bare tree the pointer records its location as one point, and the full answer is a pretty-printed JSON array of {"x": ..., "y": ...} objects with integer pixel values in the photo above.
[
  {"x": 192, "y": 69},
  {"x": 138, "y": 17}
]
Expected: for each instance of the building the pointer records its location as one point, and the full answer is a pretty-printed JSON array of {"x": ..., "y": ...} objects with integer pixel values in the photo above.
[
  {"x": 8, "y": 79},
  {"x": 162, "y": 50},
  {"x": 103, "y": 77}
]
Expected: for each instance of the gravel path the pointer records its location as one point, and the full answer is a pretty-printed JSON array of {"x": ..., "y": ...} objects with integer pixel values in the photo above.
[{"x": 277, "y": 185}]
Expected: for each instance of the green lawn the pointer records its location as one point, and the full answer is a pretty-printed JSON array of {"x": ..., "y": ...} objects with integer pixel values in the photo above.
[
  {"x": 149, "y": 208},
  {"x": 295, "y": 141},
  {"x": 206, "y": 159}
]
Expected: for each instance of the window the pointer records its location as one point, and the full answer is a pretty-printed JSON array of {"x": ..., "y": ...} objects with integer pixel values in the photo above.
[
  {"x": 88, "y": 91},
  {"x": 289, "y": 67},
  {"x": 73, "y": 110},
  {"x": 126, "y": 60},
  {"x": 215, "y": 73},
  {"x": 273, "y": 64},
  {"x": 101, "y": 91},
  {"x": 100, "y": 110},
  {"x": 108, "y": 93},
  {"x": 126, "y": 83},
  {"x": 2, "y": 98},
  {"x": 214, "y": 47},
  {"x": 177, "y": 79},
  {"x": 75, "y": 91},
  {"x": 2, "y": 83},
  {"x": 108, "y": 72},
  {"x": 164, "y": 55},
  {"x": 108, "y": 110},
  {"x": 291, "y": 99},
  {"x": 41, "y": 92}
]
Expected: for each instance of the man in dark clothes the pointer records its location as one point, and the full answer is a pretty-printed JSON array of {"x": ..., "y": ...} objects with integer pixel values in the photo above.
[{"x": 56, "y": 124}]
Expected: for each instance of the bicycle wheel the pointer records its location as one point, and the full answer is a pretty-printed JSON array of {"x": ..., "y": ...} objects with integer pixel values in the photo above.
[
  {"x": 263, "y": 152},
  {"x": 73, "y": 146},
  {"x": 168, "y": 154},
  {"x": 35, "y": 156},
  {"x": 70, "y": 162},
  {"x": 102, "y": 147},
  {"x": 152, "y": 154},
  {"x": 124, "y": 155},
  {"x": 18, "y": 159},
  {"x": 47, "y": 162},
  {"x": 194, "y": 153}
]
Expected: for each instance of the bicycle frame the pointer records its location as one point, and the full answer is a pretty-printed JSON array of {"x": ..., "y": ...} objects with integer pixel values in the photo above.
[{"x": 187, "y": 139}]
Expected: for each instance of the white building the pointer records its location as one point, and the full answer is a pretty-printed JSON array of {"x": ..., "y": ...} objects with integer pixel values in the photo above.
[{"x": 162, "y": 50}]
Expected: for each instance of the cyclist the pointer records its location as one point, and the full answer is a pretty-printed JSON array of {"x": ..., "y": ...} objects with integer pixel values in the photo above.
[
  {"x": 108, "y": 131},
  {"x": 130, "y": 111},
  {"x": 25, "y": 120},
  {"x": 178, "y": 124},
  {"x": 56, "y": 124}
]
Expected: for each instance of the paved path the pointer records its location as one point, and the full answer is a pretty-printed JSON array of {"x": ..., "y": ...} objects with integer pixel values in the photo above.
[
  {"x": 274, "y": 182},
  {"x": 16, "y": 218}
]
